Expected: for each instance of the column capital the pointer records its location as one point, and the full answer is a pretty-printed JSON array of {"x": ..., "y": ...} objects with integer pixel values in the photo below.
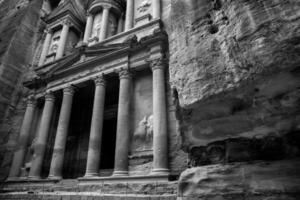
[
  {"x": 100, "y": 80},
  {"x": 69, "y": 90},
  {"x": 125, "y": 74},
  {"x": 158, "y": 63},
  {"x": 88, "y": 14},
  {"x": 67, "y": 22},
  {"x": 47, "y": 30},
  {"x": 49, "y": 96},
  {"x": 31, "y": 101},
  {"x": 107, "y": 7}
]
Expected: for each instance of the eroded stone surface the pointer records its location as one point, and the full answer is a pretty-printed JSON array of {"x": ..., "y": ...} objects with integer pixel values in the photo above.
[{"x": 261, "y": 180}]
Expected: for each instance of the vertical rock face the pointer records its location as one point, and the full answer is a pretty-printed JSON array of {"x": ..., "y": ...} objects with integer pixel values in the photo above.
[
  {"x": 234, "y": 68},
  {"x": 19, "y": 32}
]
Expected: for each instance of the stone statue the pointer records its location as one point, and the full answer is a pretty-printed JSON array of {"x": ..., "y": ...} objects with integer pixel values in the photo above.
[{"x": 143, "y": 135}]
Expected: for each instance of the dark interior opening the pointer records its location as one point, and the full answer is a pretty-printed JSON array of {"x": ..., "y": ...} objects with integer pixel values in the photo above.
[
  {"x": 107, "y": 159},
  {"x": 79, "y": 130}
]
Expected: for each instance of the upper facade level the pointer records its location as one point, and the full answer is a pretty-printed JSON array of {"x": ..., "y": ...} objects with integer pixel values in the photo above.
[{"x": 70, "y": 25}]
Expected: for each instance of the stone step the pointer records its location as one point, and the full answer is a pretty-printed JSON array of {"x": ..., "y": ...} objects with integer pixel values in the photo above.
[{"x": 82, "y": 196}]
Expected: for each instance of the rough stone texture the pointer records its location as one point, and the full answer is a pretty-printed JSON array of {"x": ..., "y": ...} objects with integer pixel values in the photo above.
[
  {"x": 261, "y": 180},
  {"x": 19, "y": 30},
  {"x": 234, "y": 69}
]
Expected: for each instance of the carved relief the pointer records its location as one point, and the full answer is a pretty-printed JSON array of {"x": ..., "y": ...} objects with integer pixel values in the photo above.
[
  {"x": 143, "y": 134},
  {"x": 97, "y": 25},
  {"x": 144, "y": 6}
]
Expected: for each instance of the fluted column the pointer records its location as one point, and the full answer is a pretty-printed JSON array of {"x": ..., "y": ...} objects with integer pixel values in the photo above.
[
  {"x": 160, "y": 136},
  {"x": 123, "y": 121},
  {"x": 88, "y": 28},
  {"x": 63, "y": 39},
  {"x": 129, "y": 15},
  {"x": 94, "y": 152},
  {"x": 156, "y": 8},
  {"x": 20, "y": 152},
  {"x": 104, "y": 23},
  {"x": 41, "y": 140},
  {"x": 45, "y": 47},
  {"x": 61, "y": 134}
]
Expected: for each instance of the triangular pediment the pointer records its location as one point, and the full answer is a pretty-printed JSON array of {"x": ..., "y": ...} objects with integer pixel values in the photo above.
[{"x": 65, "y": 8}]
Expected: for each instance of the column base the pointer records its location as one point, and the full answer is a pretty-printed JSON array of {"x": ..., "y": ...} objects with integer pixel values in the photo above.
[
  {"x": 120, "y": 173},
  {"x": 52, "y": 177},
  {"x": 91, "y": 175},
  {"x": 34, "y": 178},
  {"x": 160, "y": 171},
  {"x": 15, "y": 178}
]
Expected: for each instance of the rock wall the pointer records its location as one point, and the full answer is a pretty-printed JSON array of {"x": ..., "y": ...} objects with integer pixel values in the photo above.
[
  {"x": 19, "y": 32},
  {"x": 234, "y": 70}
]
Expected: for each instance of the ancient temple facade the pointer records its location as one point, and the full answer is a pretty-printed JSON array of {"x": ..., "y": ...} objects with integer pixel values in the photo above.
[
  {"x": 98, "y": 106},
  {"x": 149, "y": 99}
]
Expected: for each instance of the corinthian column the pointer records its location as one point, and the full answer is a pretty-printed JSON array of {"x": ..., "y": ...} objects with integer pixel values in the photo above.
[
  {"x": 104, "y": 23},
  {"x": 61, "y": 134},
  {"x": 123, "y": 121},
  {"x": 156, "y": 9},
  {"x": 94, "y": 152},
  {"x": 46, "y": 46},
  {"x": 41, "y": 140},
  {"x": 129, "y": 14},
  {"x": 88, "y": 28},
  {"x": 19, "y": 155},
  {"x": 63, "y": 39},
  {"x": 160, "y": 136}
]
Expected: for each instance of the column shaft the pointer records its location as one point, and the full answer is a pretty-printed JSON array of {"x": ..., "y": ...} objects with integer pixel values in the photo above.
[
  {"x": 41, "y": 140},
  {"x": 88, "y": 28},
  {"x": 45, "y": 48},
  {"x": 94, "y": 152},
  {"x": 63, "y": 40},
  {"x": 120, "y": 25},
  {"x": 61, "y": 134},
  {"x": 160, "y": 137},
  {"x": 156, "y": 9},
  {"x": 123, "y": 121},
  {"x": 19, "y": 154},
  {"x": 104, "y": 23},
  {"x": 129, "y": 15}
]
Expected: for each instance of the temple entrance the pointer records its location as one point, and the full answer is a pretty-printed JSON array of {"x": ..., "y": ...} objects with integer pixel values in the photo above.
[
  {"x": 79, "y": 131},
  {"x": 109, "y": 127}
]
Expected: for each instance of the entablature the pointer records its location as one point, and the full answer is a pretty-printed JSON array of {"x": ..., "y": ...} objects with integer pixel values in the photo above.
[{"x": 88, "y": 62}]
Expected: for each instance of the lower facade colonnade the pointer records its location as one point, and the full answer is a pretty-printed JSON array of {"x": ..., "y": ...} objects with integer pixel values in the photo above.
[{"x": 93, "y": 157}]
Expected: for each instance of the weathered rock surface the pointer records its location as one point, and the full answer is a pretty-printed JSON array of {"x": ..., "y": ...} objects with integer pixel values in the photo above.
[
  {"x": 261, "y": 180},
  {"x": 234, "y": 67}
]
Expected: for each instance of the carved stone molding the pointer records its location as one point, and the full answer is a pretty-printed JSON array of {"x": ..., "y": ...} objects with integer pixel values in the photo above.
[
  {"x": 125, "y": 74},
  {"x": 49, "y": 96},
  {"x": 69, "y": 90},
  {"x": 100, "y": 80},
  {"x": 67, "y": 22},
  {"x": 159, "y": 63},
  {"x": 31, "y": 101}
]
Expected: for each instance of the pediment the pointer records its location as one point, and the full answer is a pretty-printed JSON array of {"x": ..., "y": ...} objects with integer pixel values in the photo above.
[
  {"x": 65, "y": 8},
  {"x": 90, "y": 53}
]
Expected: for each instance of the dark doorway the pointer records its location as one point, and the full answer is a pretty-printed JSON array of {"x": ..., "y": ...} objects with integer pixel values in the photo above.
[
  {"x": 110, "y": 127},
  {"x": 79, "y": 130}
]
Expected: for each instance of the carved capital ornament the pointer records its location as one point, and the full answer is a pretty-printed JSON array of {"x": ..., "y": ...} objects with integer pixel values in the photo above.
[
  {"x": 31, "y": 101},
  {"x": 100, "y": 81},
  {"x": 49, "y": 96},
  {"x": 125, "y": 74},
  {"x": 159, "y": 63},
  {"x": 69, "y": 90}
]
